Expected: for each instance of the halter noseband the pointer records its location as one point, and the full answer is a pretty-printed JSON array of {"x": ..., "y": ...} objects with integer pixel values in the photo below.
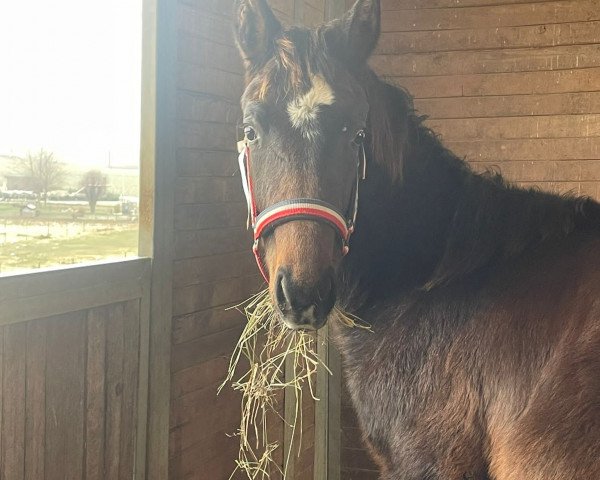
[{"x": 297, "y": 209}]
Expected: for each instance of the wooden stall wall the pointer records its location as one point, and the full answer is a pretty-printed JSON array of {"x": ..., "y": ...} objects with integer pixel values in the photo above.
[
  {"x": 68, "y": 401},
  {"x": 213, "y": 267},
  {"x": 512, "y": 85},
  {"x": 72, "y": 384}
]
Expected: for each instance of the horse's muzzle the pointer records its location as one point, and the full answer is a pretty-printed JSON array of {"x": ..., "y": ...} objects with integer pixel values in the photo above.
[{"x": 302, "y": 306}]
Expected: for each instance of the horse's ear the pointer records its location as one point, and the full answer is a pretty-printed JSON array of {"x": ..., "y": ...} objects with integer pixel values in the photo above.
[
  {"x": 354, "y": 36},
  {"x": 256, "y": 28}
]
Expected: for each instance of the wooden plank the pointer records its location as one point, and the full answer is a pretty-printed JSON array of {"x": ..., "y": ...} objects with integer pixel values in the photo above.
[
  {"x": 510, "y": 106},
  {"x": 473, "y": 39},
  {"x": 201, "y": 51},
  {"x": 206, "y": 135},
  {"x": 290, "y": 406},
  {"x": 196, "y": 78},
  {"x": 558, "y": 149},
  {"x": 157, "y": 176},
  {"x": 203, "y": 107},
  {"x": 334, "y": 418},
  {"x": 57, "y": 280},
  {"x": 488, "y": 61},
  {"x": 12, "y": 461},
  {"x": 114, "y": 390},
  {"x": 544, "y": 170},
  {"x": 206, "y": 24},
  {"x": 199, "y": 407},
  {"x": 129, "y": 400},
  {"x": 209, "y": 216},
  {"x": 528, "y": 83},
  {"x": 560, "y": 126},
  {"x": 492, "y": 16},
  {"x": 200, "y": 297},
  {"x": 35, "y": 406},
  {"x": 201, "y": 243},
  {"x": 208, "y": 189},
  {"x": 316, "y": 4},
  {"x": 313, "y": 15},
  {"x": 219, "y": 420},
  {"x": 65, "y": 386},
  {"x": 217, "y": 464},
  {"x": 321, "y": 458},
  {"x": 195, "y": 325},
  {"x": 53, "y": 292},
  {"x": 198, "y": 163},
  {"x": 197, "y": 377},
  {"x": 202, "y": 270},
  {"x": 95, "y": 393},
  {"x": 387, "y": 5},
  {"x": 334, "y": 9},
  {"x": 206, "y": 348},
  {"x": 141, "y": 439}
]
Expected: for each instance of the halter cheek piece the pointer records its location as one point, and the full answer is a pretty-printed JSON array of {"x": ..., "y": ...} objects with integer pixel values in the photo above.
[{"x": 297, "y": 208}]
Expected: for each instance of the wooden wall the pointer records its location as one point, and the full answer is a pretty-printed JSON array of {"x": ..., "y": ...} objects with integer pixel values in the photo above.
[
  {"x": 512, "y": 85},
  {"x": 68, "y": 397},
  {"x": 213, "y": 266}
]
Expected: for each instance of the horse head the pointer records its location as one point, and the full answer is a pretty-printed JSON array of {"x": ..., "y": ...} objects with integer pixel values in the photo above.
[{"x": 305, "y": 120}]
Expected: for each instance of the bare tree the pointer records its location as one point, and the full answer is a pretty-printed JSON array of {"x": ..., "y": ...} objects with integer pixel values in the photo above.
[
  {"x": 94, "y": 184},
  {"x": 46, "y": 171}
]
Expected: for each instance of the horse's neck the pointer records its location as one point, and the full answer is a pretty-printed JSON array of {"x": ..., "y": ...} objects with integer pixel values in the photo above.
[
  {"x": 401, "y": 228},
  {"x": 441, "y": 222}
]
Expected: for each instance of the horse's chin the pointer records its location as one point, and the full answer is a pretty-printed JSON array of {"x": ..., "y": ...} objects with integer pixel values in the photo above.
[{"x": 305, "y": 325}]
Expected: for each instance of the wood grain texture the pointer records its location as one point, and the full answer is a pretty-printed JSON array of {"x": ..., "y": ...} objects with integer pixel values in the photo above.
[
  {"x": 54, "y": 389},
  {"x": 521, "y": 96},
  {"x": 64, "y": 397},
  {"x": 491, "y": 16},
  {"x": 95, "y": 393},
  {"x": 476, "y": 39},
  {"x": 35, "y": 421},
  {"x": 13, "y": 402}
]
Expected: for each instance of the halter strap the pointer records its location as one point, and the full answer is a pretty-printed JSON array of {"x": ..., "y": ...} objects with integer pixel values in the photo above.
[
  {"x": 300, "y": 209},
  {"x": 296, "y": 209}
]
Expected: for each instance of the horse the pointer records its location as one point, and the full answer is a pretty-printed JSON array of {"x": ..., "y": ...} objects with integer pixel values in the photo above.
[{"x": 484, "y": 298}]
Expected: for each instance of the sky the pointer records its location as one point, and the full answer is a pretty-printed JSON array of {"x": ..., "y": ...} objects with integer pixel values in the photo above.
[{"x": 70, "y": 79}]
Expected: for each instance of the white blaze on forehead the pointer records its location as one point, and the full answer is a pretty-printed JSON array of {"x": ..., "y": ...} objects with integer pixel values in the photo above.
[{"x": 304, "y": 110}]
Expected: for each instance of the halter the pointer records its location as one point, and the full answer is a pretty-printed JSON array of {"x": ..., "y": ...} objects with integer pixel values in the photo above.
[{"x": 297, "y": 209}]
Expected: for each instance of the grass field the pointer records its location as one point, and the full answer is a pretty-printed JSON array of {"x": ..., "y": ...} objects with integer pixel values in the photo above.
[
  {"x": 38, "y": 253},
  {"x": 54, "y": 211}
]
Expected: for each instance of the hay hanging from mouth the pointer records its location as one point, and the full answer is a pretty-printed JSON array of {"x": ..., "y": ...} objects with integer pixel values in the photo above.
[{"x": 266, "y": 344}]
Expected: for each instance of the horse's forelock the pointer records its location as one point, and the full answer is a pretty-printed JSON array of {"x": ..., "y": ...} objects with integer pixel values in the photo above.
[{"x": 298, "y": 56}]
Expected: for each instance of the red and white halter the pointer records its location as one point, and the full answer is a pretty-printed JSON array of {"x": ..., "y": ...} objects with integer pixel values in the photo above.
[{"x": 296, "y": 209}]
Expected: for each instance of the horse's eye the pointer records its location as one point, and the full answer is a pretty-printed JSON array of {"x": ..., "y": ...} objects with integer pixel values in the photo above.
[
  {"x": 250, "y": 134},
  {"x": 360, "y": 137}
]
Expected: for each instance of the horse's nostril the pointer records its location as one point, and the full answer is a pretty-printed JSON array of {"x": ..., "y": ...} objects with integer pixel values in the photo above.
[
  {"x": 304, "y": 305},
  {"x": 280, "y": 294}
]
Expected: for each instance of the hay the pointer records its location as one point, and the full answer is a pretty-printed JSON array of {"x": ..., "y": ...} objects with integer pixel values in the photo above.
[{"x": 267, "y": 344}]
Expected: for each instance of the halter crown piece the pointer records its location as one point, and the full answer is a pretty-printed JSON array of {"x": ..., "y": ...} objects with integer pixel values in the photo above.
[{"x": 296, "y": 208}]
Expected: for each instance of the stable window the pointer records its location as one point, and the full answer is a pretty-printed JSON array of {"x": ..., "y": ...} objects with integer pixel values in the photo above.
[{"x": 69, "y": 132}]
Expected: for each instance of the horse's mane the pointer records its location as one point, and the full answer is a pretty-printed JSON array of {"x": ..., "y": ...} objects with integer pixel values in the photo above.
[{"x": 491, "y": 220}]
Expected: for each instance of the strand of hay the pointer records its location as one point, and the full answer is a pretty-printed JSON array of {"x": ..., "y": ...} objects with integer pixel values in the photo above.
[{"x": 266, "y": 344}]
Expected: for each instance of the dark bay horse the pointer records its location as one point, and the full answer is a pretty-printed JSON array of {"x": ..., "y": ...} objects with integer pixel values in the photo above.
[{"x": 484, "y": 361}]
